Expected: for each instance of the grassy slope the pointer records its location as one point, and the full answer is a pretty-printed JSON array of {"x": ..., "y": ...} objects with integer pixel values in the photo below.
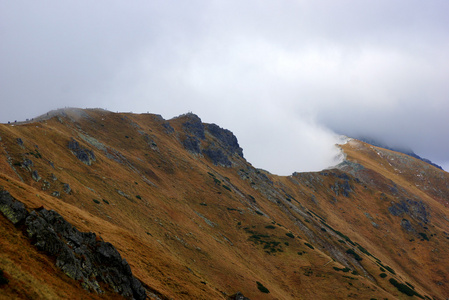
[{"x": 187, "y": 236}]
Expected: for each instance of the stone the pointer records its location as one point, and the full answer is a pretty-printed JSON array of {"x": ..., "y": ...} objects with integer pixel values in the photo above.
[
  {"x": 19, "y": 142},
  {"x": 85, "y": 155},
  {"x": 27, "y": 164},
  {"x": 238, "y": 296},
  {"x": 13, "y": 210},
  {"x": 80, "y": 255},
  {"x": 66, "y": 188},
  {"x": 56, "y": 194},
  {"x": 35, "y": 176}
]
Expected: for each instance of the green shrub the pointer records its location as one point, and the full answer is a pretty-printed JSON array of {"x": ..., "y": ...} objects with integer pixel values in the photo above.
[
  {"x": 424, "y": 236},
  {"x": 138, "y": 197},
  {"x": 309, "y": 245},
  {"x": 105, "y": 201},
  {"x": 227, "y": 187},
  {"x": 353, "y": 253},
  {"x": 403, "y": 288},
  {"x": 270, "y": 227},
  {"x": 96, "y": 201},
  {"x": 286, "y": 244},
  {"x": 3, "y": 280},
  {"x": 382, "y": 275},
  {"x": 262, "y": 288},
  {"x": 290, "y": 235},
  {"x": 259, "y": 213}
]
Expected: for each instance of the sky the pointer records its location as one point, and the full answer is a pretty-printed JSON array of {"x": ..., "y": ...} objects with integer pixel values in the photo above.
[{"x": 286, "y": 77}]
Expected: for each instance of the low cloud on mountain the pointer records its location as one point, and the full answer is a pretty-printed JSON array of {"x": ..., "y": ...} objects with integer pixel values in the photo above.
[{"x": 283, "y": 76}]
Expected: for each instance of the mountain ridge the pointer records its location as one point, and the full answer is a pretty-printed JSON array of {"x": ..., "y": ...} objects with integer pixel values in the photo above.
[{"x": 195, "y": 220}]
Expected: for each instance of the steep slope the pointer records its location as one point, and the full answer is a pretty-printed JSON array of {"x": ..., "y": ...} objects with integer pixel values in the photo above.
[{"x": 195, "y": 220}]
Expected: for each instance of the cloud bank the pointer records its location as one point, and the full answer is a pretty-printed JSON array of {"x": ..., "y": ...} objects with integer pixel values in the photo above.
[{"x": 284, "y": 76}]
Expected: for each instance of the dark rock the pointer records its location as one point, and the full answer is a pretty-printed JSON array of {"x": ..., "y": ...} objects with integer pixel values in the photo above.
[
  {"x": 80, "y": 255},
  {"x": 218, "y": 157},
  {"x": 238, "y": 296},
  {"x": 27, "y": 164},
  {"x": 192, "y": 144},
  {"x": 407, "y": 225},
  {"x": 19, "y": 142},
  {"x": 193, "y": 126},
  {"x": 226, "y": 138},
  {"x": 85, "y": 155},
  {"x": 66, "y": 188},
  {"x": 12, "y": 209},
  {"x": 35, "y": 176},
  {"x": 415, "y": 209}
]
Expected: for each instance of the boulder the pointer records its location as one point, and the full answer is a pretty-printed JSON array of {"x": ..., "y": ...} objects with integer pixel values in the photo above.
[{"x": 13, "y": 210}]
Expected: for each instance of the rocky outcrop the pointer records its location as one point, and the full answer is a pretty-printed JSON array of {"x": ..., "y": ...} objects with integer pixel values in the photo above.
[
  {"x": 415, "y": 209},
  {"x": 192, "y": 144},
  {"x": 226, "y": 138},
  {"x": 193, "y": 126},
  {"x": 218, "y": 157},
  {"x": 12, "y": 209},
  {"x": 85, "y": 155},
  {"x": 83, "y": 256}
]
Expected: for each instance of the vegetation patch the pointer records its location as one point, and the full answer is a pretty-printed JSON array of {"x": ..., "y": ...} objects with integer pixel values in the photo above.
[
  {"x": 346, "y": 269},
  {"x": 290, "y": 235},
  {"x": 270, "y": 227},
  {"x": 403, "y": 288},
  {"x": 383, "y": 275},
  {"x": 262, "y": 288},
  {"x": 353, "y": 253},
  {"x": 269, "y": 245},
  {"x": 138, "y": 197},
  {"x": 309, "y": 245},
  {"x": 384, "y": 267},
  {"x": 105, "y": 201},
  {"x": 3, "y": 280},
  {"x": 424, "y": 236},
  {"x": 96, "y": 201}
]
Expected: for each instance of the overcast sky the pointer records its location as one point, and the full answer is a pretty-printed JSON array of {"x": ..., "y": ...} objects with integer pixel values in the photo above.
[{"x": 283, "y": 75}]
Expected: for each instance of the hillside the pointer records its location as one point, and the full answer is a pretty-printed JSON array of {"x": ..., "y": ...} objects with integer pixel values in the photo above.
[{"x": 195, "y": 220}]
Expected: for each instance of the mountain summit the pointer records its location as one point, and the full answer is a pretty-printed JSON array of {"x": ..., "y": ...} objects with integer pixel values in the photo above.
[{"x": 100, "y": 205}]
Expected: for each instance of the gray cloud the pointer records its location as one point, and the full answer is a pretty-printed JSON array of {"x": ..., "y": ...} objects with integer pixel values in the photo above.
[{"x": 282, "y": 75}]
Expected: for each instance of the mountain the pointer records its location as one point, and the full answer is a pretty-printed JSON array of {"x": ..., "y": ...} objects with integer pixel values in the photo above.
[
  {"x": 101, "y": 205},
  {"x": 404, "y": 150}
]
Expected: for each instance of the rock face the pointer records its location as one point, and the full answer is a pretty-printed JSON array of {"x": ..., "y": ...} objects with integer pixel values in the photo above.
[
  {"x": 13, "y": 210},
  {"x": 226, "y": 138},
  {"x": 85, "y": 155},
  {"x": 81, "y": 255}
]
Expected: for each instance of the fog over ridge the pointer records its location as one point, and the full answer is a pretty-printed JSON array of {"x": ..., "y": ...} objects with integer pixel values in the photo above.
[{"x": 283, "y": 76}]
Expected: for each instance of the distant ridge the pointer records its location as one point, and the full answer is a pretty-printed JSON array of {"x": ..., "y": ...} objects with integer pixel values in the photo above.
[{"x": 409, "y": 152}]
